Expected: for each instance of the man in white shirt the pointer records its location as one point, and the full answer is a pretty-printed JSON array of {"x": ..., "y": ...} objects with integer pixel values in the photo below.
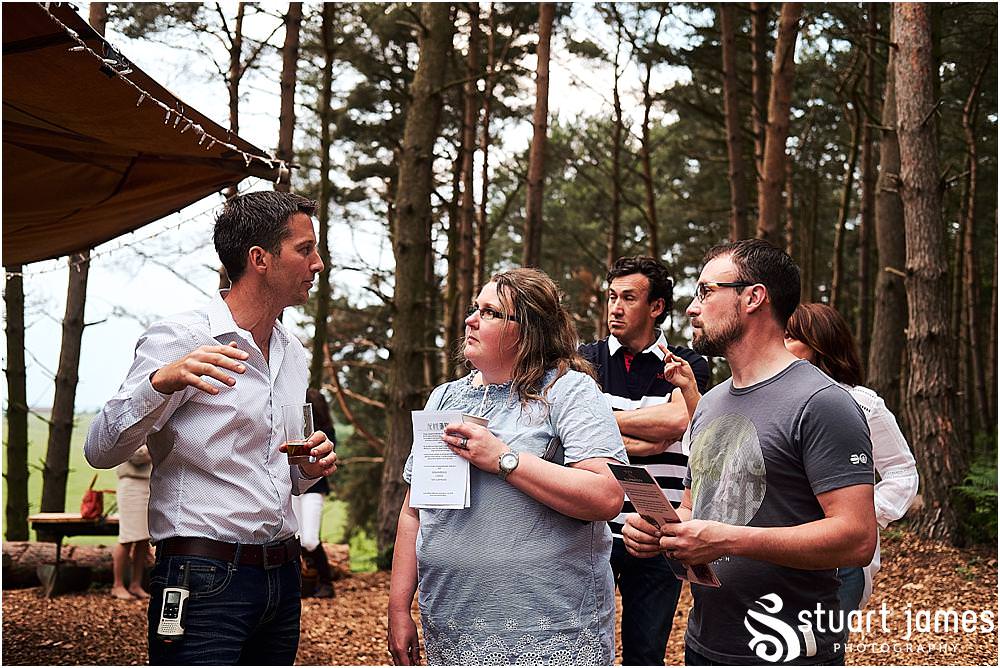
[{"x": 205, "y": 393}]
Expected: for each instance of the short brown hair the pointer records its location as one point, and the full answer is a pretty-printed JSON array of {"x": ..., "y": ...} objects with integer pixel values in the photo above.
[
  {"x": 759, "y": 261},
  {"x": 824, "y": 330}
]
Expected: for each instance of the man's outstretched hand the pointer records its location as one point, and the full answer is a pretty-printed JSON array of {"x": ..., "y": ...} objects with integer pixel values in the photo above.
[{"x": 212, "y": 361}]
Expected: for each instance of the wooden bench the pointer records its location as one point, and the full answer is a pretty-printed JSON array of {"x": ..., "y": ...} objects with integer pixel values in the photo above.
[{"x": 53, "y": 527}]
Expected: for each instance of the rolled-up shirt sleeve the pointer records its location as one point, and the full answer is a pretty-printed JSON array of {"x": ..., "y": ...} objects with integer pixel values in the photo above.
[
  {"x": 137, "y": 409},
  {"x": 894, "y": 462}
]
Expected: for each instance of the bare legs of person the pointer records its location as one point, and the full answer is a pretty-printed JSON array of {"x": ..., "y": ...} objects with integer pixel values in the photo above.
[{"x": 129, "y": 559}]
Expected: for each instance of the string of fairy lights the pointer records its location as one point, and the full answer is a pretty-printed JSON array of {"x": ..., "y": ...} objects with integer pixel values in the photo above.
[
  {"x": 178, "y": 116},
  {"x": 119, "y": 68},
  {"x": 122, "y": 245}
]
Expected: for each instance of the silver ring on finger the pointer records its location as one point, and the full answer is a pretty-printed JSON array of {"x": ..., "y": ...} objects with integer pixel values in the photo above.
[{"x": 464, "y": 443}]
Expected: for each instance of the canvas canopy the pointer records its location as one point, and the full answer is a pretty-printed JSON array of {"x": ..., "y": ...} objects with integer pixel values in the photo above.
[{"x": 92, "y": 146}]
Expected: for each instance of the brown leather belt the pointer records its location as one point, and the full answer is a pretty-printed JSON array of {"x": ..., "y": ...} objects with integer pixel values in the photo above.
[{"x": 270, "y": 555}]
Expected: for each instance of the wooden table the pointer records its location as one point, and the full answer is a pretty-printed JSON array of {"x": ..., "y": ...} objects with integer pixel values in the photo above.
[{"x": 53, "y": 527}]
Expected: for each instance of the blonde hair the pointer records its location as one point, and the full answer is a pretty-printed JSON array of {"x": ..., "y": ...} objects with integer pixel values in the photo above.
[{"x": 548, "y": 338}]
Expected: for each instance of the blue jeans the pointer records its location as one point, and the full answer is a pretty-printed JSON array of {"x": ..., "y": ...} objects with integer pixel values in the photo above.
[
  {"x": 852, "y": 588},
  {"x": 235, "y": 614},
  {"x": 649, "y": 592}
]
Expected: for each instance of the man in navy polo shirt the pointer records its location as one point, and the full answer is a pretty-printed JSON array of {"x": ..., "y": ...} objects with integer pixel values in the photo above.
[{"x": 652, "y": 418}]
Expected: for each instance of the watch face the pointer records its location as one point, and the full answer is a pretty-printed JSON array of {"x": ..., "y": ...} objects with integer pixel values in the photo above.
[{"x": 508, "y": 461}]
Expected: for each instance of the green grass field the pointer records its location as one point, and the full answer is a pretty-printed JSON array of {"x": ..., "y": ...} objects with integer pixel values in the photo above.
[{"x": 80, "y": 475}]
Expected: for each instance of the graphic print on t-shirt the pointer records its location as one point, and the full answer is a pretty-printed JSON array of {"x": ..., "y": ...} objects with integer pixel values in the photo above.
[{"x": 727, "y": 471}]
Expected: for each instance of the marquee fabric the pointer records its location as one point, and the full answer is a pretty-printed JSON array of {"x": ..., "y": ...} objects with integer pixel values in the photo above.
[{"x": 93, "y": 147}]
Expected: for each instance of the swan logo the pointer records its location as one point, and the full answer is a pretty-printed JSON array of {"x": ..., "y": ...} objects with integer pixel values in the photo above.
[{"x": 773, "y": 640}]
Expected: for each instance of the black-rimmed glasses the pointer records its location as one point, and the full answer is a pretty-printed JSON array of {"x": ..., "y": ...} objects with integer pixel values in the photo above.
[
  {"x": 703, "y": 290},
  {"x": 487, "y": 313}
]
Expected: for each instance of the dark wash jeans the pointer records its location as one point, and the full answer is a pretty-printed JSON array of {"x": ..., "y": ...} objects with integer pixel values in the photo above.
[
  {"x": 852, "y": 588},
  {"x": 235, "y": 614},
  {"x": 649, "y": 592}
]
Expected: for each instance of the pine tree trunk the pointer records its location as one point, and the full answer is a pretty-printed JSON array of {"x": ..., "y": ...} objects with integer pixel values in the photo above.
[
  {"x": 867, "y": 209},
  {"x": 759, "y": 18},
  {"x": 536, "y": 161},
  {"x": 837, "y": 288},
  {"x": 769, "y": 200},
  {"x": 645, "y": 157},
  {"x": 482, "y": 219},
  {"x": 466, "y": 245},
  {"x": 791, "y": 240},
  {"x": 885, "y": 357},
  {"x": 616, "y": 160},
  {"x": 16, "y": 477},
  {"x": 321, "y": 334},
  {"x": 56, "y": 469},
  {"x": 233, "y": 77},
  {"x": 289, "y": 74},
  {"x": 808, "y": 251},
  {"x": 970, "y": 277},
  {"x": 991, "y": 343},
  {"x": 930, "y": 396},
  {"x": 734, "y": 131},
  {"x": 453, "y": 316},
  {"x": 411, "y": 246}
]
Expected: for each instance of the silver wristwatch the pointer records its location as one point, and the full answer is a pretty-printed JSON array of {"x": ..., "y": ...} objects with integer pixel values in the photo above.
[{"x": 508, "y": 462}]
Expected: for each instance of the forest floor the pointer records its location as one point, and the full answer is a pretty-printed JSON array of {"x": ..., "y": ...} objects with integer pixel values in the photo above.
[{"x": 918, "y": 575}]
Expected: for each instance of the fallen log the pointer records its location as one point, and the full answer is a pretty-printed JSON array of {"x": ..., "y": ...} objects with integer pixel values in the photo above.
[{"x": 21, "y": 560}]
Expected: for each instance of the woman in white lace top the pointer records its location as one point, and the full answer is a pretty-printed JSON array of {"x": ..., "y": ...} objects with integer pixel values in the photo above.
[{"x": 818, "y": 333}]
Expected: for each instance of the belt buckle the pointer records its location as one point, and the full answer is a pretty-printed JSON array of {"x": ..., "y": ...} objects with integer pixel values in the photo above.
[{"x": 276, "y": 549}]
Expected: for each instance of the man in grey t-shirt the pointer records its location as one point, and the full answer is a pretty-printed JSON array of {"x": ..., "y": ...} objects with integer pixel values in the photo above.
[{"x": 780, "y": 481}]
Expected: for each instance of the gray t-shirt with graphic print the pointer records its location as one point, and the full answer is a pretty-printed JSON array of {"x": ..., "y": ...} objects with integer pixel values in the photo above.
[{"x": 759, "y": 456}]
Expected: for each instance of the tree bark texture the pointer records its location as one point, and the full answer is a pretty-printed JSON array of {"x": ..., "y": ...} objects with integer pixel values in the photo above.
[
  {"x": 467, "y": 215},
  {"x": 236, "y": 69},
  {"x": 837, "y": 288},
  {"x": 321, "y": 334},
  {"x": 930, "y": 396},
  {"x": 233, "y": 79},
  {"x": 808, "y": 244},
  {"x": 16, "y": 477},
  {"x": 452, "y": 316},
  {"x": 646, "y": 150},
  {"x": 289, "y": 75},
  {"x": 991, "y": 341},
  {"x": 483, "y": 231},
  {"x": 56, "y": 468},
  {"x": 616, "y": 156},
  {"x": 536, "y": 161},
  {"x": 769, "y": 200},
  {"x": 970, "y": 273},
  {"x": 411, "y": 246},
  {"x": 868, "y": 176},
  {"x": 759, "y": 19},
  {"x": 791, "y": 236},
  {"x": 885, "y": 357},
  {"x": 734, "y": 132}
]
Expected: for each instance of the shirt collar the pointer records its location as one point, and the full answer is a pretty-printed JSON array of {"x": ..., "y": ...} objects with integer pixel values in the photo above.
[
  {"x": 654, "y": 348},
  {"x": 221, "y": 322}
]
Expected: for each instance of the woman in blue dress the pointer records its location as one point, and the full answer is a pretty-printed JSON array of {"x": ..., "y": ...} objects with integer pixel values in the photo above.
[{"x": 522, "y": 576}]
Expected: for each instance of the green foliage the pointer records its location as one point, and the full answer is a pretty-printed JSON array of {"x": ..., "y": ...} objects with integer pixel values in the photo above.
[{"x": 978, "y": 494}]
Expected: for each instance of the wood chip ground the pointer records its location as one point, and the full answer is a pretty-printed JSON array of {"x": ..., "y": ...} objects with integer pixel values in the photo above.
[{"x": 95, "y": 629}]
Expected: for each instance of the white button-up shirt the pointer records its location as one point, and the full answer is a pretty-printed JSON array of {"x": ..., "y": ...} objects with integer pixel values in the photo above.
[{"x": 217, "y": 471}]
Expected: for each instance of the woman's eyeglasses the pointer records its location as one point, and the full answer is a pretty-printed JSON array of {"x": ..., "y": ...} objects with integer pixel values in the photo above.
[
  {"x": 487, "y": 313},
  {"x": 703, "y": 290}
]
